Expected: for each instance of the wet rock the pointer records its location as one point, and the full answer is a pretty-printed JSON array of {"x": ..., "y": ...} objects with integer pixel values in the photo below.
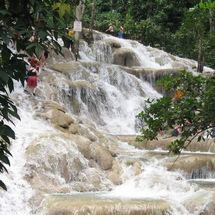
[
  {"x": 202, "y": 204},
  {"x": 86, "y": 132},
  {"x": 54, "y": 58},
  {"x": 114, "y": 44},
  {"x": 126, "y": 57},
  {"x": 89, "y": 204},
  {"x": 67, "y": 69},
  {"x": 102, "y": 156},
  {"x": 115, "y": 178},
  {"x": 194, "y": 166},
  {"x": 60, "y": 119},
  {"x": 179, "y": 65},
  {"x": 96, "y": 34},
  {"x": 55, "y": 156},
  {"x": 209, "y": 208},
  {"x": 163, "y": 142},
  {"x": 92, "y": 163},
  {"x": 136, "y": 168},
  {"x": 84, "y": 146},
  {"x": 73, "y": 128},
  {"x": 160, "y": 61}
]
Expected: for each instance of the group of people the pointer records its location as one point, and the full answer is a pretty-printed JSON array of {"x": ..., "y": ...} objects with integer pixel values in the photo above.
[
  {"x": 188, "y": 121},
  {"x": 33, "y": 64},
  {"x": 32, "y": 70},
  {"x": 121, "y": 29}
]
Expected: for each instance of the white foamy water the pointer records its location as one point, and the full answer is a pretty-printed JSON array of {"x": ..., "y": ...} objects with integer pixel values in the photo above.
[
  {"x": 156, "y": 182},
  {"x": 16, "y": 200},
  {"x": 118, "y": 97}
]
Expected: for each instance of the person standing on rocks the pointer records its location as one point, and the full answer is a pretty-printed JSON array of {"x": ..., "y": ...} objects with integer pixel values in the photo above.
[
  {"x": 32, "y": 80},
  {"x": 110, "y": 29},
  {"x": 120, "y": 32},
  {"x": 68, "y": 39}
]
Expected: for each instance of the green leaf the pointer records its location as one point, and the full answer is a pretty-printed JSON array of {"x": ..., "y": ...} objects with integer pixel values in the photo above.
[
  {"x": 9, "y": 132},
  {"x": 5, "y": 55},
  {"x": 2, "y": 168},
  {"x": 31, "y": 45},
  {"x": 42, "y": 34},
  {"x": 4, "y": 12},
  {"x": 66, "y": 7},
  {"x": 5, "y": 39},
  {"x": 14, "y": 113},
  {"x": 201, "y": 5},
  {"x": 39, "y": 51},
  {"x": 55, "y": 6},
  {"x": 6, "y": 139},
  {"x": 10, "y": 85},
  {"x": 3, "y": 185},
  {"x": 4, "y": 159},
  {"x": 4, "y": 76},
  {"x": 8, "y": 152},
  {"x": 1, "y": 128},
  {"x": 61, "y": 11}
]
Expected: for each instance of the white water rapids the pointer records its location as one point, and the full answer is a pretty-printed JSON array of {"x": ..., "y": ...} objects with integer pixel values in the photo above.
[{"x": 125, "y": 96}]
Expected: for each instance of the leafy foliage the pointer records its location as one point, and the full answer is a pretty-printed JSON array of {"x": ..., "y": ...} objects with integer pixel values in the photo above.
[
  {"x": 62, "y": 8},
  {"x": 194, "y": 111},
  {"x": 20, "y": 20},
  {"x": 155, "y": 23},
  {"x": 196, "y": 23}
]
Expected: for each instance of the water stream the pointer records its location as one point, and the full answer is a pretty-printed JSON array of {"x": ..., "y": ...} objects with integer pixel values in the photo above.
[{"x": 146, "y": 184}]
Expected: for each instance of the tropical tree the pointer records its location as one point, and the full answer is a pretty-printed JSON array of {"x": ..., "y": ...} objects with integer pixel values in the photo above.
[
  {"x": 92, "y": 20},
  {"x": 20, "y": 20},
  {"x": 79, "y": 12},
  {"x": 197, "y": 23},
  {"x": 194, "y": 111}
]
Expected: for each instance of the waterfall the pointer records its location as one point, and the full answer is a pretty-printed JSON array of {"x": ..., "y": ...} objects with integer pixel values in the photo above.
[{"x": 69, "y": 156}]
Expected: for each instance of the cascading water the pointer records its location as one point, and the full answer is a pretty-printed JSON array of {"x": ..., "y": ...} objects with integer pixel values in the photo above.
[
  {"x": 59, "y": 170},
  {"x": 117, "y": 99}
]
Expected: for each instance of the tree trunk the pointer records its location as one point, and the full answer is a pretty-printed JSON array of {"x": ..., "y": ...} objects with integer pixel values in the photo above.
[
  {"x": 92, "y": 21},
  {"x": 212, "y": 27},
  {"x": 79, "y": 12},
  {"x": 201, "y": 57}
]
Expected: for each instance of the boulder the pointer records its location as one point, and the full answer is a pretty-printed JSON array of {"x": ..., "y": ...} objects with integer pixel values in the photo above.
[
  {"x": 112, "y": 42},
  {"x": 55, "y": 113},
  {"x": 83, "y": 204},
  {"x": 194, "y": 166},
  {"x": 73, "y": 128},
  {"x": 126, "y": 57},
  {"x": 86, "y": 132},
  {"x": 115, "y": 178},
  {"x": 57, "y": 117},
  {"x": 54, "y": 58},
  {"x": 84, "y": 146},
  {"x": 68, "y": 68},
  {"x": 50, "y": 159},
  {"x": 102, "y": 156},
  {"x": 179, "y": 65}
]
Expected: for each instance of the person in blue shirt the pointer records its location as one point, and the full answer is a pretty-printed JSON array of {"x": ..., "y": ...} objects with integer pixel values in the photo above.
[{"x": 120, "y": 32}]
